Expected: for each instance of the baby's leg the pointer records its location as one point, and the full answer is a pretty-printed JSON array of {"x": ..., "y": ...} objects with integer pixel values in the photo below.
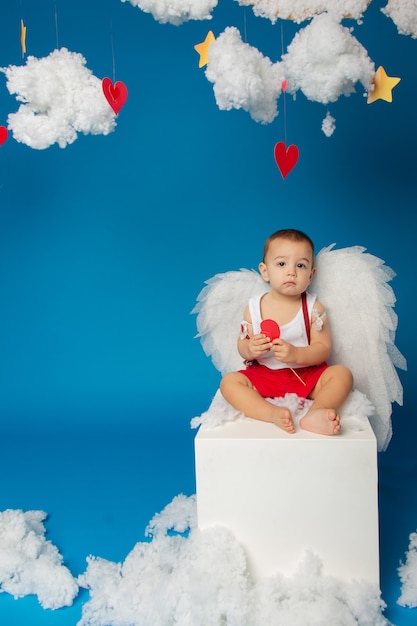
[
  {"x": 239, "y": 391},
  {"x": 332, "y": 389}
]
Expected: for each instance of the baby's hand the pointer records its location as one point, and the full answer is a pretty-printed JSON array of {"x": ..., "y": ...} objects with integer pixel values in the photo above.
[
  {"x": 258, "y": 345},
  {"x": 283, "y": 351}
]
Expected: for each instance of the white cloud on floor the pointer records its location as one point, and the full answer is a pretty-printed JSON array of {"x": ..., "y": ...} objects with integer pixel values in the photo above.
[
  {"x": 325, "y": 61},
  {"x": 61, "y": 98},
  {"x": 408, "y": 575},
  {"x": 29, "y": 564},
  {"x": 176, "y": 11},
  {"x": 203, "y": 579},
  {"x": 243, "y": 78},
  {"x": 404, "y": 15},
  {"x": 299, "y": 10},
  {"x": 187, "y": 576}
]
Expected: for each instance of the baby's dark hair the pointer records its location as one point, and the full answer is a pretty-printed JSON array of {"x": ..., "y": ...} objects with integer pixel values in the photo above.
[{"x": 288, "y": 233}]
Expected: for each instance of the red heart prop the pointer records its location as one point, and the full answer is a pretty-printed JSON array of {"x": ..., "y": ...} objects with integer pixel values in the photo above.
[
  {"x": 285, "y": 158},
  {"x": 116, "y": 95},
  {"x": 3, "y": 134},
  {"x": 271, "y": 329}
]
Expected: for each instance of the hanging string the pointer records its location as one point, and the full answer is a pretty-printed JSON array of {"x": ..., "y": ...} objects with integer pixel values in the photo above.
[
  {"x": 56, "y": 25},
  {"x": 112, "y": 52},
  {"x": 22, "y": 32},
  {"x": 284, "y": 91},
  {"x": 244, "y": 25}
]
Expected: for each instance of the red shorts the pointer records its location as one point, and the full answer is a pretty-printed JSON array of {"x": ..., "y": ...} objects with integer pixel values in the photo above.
[{"x": 276, "y": 383}]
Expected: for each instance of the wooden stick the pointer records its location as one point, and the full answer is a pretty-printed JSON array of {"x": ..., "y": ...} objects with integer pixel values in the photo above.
[{"x": 300, "y": 379}]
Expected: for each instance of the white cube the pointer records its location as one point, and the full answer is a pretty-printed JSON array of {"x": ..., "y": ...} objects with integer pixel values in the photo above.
[{"x": 282, "y": 495}]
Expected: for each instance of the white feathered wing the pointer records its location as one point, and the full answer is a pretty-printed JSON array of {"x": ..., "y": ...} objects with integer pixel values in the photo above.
[
  {"x": 219, "y": 309},
  {"x": 353, "y": 287}
]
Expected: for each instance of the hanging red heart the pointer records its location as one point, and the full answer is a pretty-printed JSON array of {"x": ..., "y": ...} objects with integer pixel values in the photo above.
[
  {"x": 284, "y": 85},
  {"x": 3, "y": 134},
  {"x": 286, "y": 158},
  {"x": 116, "y": 95}
]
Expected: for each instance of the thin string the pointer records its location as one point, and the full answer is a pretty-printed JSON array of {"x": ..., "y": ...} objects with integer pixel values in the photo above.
[
  {"x": 56, "y": 25},
  {"x": 284, "y": 91},
  {"x": 112, "y": 52},
  {"x": 244, "y": 25}
]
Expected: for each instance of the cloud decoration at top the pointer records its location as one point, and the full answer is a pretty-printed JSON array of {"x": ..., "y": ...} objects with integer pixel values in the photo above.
[
  {"x": 176, "y": 11},
  {"x": 325, "y": 61},
  {"x": 404, "y": 15},
  {"x": 402, "y": 12},
  {"x": 243, "y": 78},
  {"x": 61, "y": 97},
  {"x": 300, "y": 10}
]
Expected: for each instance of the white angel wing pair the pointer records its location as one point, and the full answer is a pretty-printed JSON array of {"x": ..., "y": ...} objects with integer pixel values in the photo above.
[{"x": 353, "y": 287}]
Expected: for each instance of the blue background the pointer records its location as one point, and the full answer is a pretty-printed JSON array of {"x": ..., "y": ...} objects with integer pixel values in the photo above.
[{"x": 105, "y": 245}]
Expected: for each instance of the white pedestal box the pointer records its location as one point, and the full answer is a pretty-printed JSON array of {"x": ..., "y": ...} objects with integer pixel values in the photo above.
[{"x": 282, "y": 495}]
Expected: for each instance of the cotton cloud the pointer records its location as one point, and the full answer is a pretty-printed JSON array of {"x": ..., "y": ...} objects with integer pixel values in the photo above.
[
  {"x": 299, "y": 10},
  {"x": 404, "y": 15},
  {"x": 181, "y": 575},
  {"x": 325, "y": 61},
  {"x": 61, "y": 98},
  {"x": 203, "y": 579},
  {"x": 29, "y": 564},
  {"x": 176, "y": 11},
  {"x": 408, "y": 575},
  {"x": 243, "y": 78},
  {"x": 328, "y": 125},
  {"x": 354, "y": 412}
]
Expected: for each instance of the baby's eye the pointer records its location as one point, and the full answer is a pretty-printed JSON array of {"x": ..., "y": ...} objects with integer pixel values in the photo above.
[
  {"x": 301, "y": 265},
  {"x": 280, "y": 263}
]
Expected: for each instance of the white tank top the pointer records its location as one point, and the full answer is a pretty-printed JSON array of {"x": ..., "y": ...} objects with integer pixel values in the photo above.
[{"x": 294, "y": 332}]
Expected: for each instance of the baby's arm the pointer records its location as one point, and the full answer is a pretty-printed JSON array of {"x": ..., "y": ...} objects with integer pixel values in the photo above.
[
  {"x": 320, "y": 343},
  {"x": 252, "y": 346}
]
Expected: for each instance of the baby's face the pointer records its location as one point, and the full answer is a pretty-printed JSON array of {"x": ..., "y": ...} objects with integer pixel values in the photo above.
[{"x": 288, "y": 266}]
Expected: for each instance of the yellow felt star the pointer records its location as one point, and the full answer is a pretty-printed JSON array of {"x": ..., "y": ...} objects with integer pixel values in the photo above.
[
  {"x": 23, "y": 37},
  {"x": 383, "y": 86},
  {"x": 203, "y": 48}
]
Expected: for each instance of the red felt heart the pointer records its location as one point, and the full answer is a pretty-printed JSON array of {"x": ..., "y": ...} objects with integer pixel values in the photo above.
[
  {"x": 3, "y": 134},
  {"x": 271, "y": 329},
  {"x": 285, "y": 158},
  {"x": 116, "y": 95}
]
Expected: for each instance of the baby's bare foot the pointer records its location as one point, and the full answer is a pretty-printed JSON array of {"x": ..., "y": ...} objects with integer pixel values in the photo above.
[
  {"x": 321, "y": 421},
  {"x": 283, "y": 419}
]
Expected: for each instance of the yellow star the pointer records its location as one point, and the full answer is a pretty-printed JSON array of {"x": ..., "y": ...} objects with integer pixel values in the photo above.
[
  {"x": 383, "y": 86},
  {"x": 203, "y": 48},
  {"x": 23, "y": 37}
]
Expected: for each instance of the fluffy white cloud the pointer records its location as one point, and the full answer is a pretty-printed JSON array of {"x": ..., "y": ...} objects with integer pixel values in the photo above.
[
  {"x": 404, "y": 15},
  {"x": 243, "y": 78},
  {"x": 325, "y": 61},
  {"x": 328, "y": 125},
  {"x": 203, "y": 579},
  {"x": 176, "y": 11},
  {"x": 29, "y": 564},
  {"x": 61, "y": 98},
  {"x": 299, "y": 10},
  {"x": 408, "y": 575}
]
